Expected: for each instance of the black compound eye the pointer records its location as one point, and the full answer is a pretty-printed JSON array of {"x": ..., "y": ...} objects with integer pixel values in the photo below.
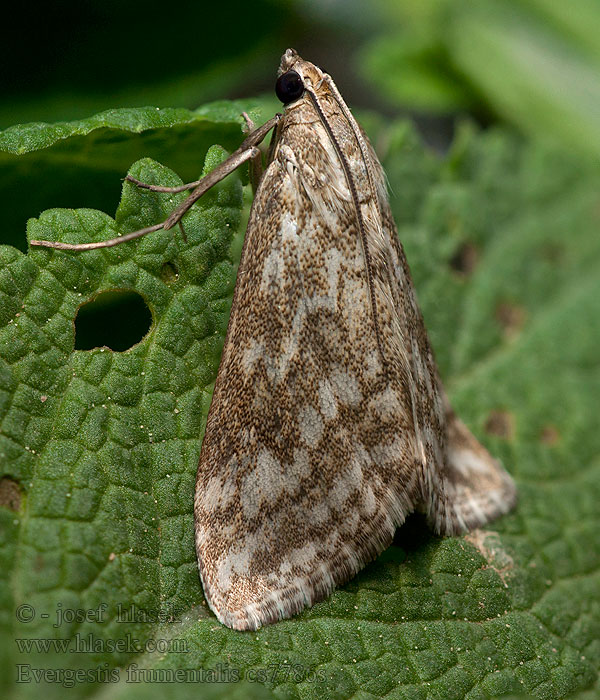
[{"x": 289, "y": 87}]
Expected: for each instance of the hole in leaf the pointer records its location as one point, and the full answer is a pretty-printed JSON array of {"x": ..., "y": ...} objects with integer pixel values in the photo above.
[
  {"x": 117, "y": 320},
  {"x": 500, "y": 423},
  {"x": 169, "y": 273},
  {"x": 10, "y": 494}
]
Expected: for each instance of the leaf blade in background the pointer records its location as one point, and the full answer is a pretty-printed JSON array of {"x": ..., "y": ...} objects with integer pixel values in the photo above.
[
  {"x": 529, "y": 63},
  {"x": 81, "y": 163}
]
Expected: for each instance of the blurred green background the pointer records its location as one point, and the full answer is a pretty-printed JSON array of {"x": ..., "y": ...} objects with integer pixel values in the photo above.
[
  {"x": 531, "y": 64},
  {"x": 534, "y": 64}
]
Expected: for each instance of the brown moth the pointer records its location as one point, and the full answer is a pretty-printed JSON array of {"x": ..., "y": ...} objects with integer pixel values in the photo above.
[{"x": 329, "y": 423}]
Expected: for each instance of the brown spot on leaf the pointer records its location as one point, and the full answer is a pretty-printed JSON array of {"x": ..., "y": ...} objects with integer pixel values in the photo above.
[
  {"x": 10, "y": 494},
  {"x": 491, "y": 547},
  {"x": 549, "y": 435},
  {"x": 500, "y": 423},
  {"x": 465, "y": 259},
  {"x": 552, "y": 252},
  {"x": 511, "y": 317}
]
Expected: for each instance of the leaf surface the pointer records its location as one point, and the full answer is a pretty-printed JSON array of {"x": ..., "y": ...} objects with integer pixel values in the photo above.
[{"x": 99, "y": 449}]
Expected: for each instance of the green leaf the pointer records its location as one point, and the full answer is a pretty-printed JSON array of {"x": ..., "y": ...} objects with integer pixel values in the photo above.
[
  {"x": 416, "y": 78},
  {"x": 81, "y": 163},
  {"x": 532, "y": 63},
  {"x": 99, "y": 448},
  {"x": 531, "y": 75}
]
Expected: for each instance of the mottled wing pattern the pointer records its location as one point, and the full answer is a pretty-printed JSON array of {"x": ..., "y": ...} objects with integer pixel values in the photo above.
[
  {"x": 328, "y": 423},
  {"x": 308, "y": 458},
  {"x": 461, "y": 485}
]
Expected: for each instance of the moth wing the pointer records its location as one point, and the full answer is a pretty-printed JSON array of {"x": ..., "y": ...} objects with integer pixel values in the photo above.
[
  {"x": 472, "y": 489},
  {"x": 462, "y": 486},
  {"x": 308, "y": 463},
  {"x": 329, "y": 423}
]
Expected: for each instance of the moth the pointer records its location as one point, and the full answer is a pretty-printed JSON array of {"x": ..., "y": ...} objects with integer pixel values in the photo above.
[{"x": 329, "y": 423}]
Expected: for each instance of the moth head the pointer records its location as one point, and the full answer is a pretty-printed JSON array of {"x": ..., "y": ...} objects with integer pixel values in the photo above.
[{"x": 296, "y": 75}]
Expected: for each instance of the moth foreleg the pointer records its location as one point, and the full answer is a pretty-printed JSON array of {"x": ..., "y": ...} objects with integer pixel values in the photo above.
[
  {"x": 255, "y": 166},
  {"x": 255, "y": 172},
  {"x": 221, "y": 171},
  {"x": 250, "y": 126},
  {"x": 247, "y": 151},
  {"x": 161, "y": 188}
]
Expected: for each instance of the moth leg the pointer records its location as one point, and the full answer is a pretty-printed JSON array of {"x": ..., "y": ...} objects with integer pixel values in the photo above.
[
  {"x": 160, "y": 188},
  {"x": 250, "y": 126},
  {"x": 216, "y": 175},
  {"x": 255, "y": 170},
  {"x": 255, "y": 166},
  {"x": 183, "y": 233},
  {"x": 245, "y": 152},
  {"x": 248, "y": 150}
]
